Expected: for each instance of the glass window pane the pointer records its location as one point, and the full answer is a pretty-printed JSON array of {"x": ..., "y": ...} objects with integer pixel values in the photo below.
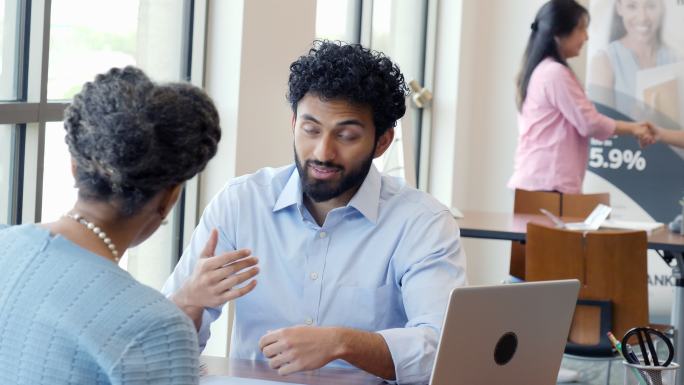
[
  {"x": 88, "y": 37},
  {"x": 59, "y": 193},
  {"x": 338, "y": 20},
  {"x": 398, "y": 30},
  {"x": 151, "y": 262},
  {"x": 9, "y": 54},
  {"x": 5, "y": 172}
]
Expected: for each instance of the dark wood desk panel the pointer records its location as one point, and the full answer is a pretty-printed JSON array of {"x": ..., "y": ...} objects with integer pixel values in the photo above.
[
  {"x": 664, "y": 239},
  {"x": 512, "y": 227},
  {"x": 502, "y": 226},
  {"x": 219, "y": 366}
]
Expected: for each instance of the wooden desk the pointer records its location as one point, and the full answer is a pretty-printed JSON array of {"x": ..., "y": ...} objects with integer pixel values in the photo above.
[
  {"x": 513, "y": 227},
  {"x": 219, "y": 366},
  {"x": 260, "y": 370}
]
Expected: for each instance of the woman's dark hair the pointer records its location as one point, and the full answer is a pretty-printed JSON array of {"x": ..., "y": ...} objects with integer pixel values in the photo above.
[
  {"x": 335, "y": 70},
  {"x": 617, "y": 25},
  {"x": 131, "y": 138},
  {"x": 556, "y": 18}
]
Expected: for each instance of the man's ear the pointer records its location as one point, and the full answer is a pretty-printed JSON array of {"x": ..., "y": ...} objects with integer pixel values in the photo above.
[
  {"x": 294, "y": 121},
  {"x": 384, "y": 141}
]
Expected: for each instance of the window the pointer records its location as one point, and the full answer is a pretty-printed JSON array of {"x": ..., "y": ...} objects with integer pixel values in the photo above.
[
  {"x": 85, "y": 41},
  {"x": 87, "y": 37},
  {"x": 59, "y": 193},
  {"x": 9, "y": 57},
  {"x": 338, "y": 20},
  {"x": 398, "y": 29},
  {"x": 5, "y": 172}
]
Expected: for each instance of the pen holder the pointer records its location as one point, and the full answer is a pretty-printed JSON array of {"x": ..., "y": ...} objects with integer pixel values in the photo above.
[{"x": 650, "y": 375}]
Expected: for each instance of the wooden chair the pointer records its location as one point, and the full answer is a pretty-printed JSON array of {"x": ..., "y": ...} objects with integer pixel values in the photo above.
[
  {"x": 581, "y": 205},
  {"x": 529, "y": 202},
  {"x": 612, "y": 269},
  {"x": 569, "y": 205}
]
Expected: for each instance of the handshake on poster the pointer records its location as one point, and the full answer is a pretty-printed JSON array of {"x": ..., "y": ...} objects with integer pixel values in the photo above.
[{"x": 648, "y": 133}]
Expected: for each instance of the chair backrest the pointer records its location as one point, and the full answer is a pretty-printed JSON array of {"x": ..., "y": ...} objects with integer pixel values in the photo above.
[
  {"x": 529, "y": 202},
  {"x": 610, "y": 266},
  {"x": 581, "y": 205},
  {"x": 569, "y": 205}
]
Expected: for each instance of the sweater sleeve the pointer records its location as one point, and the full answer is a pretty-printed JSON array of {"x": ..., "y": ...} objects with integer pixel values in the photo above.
[
  {"x": 164, "y": 353},
  {"x": 566, "y": 94}
]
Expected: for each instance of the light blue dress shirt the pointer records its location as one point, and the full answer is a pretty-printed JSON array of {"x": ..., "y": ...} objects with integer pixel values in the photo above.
[{"x": 386, "y": 263}]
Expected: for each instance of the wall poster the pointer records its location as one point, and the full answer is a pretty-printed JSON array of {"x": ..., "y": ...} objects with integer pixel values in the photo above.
[{"x": 636, "y": 72}]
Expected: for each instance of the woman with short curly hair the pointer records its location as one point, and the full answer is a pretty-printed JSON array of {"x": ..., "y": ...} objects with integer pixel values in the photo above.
[{"x": 68, "y": 313}]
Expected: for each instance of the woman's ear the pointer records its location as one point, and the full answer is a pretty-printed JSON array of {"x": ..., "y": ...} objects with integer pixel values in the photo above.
[
  {"x": 73, "y": 167},
  {"x": 168, "y": 199}
]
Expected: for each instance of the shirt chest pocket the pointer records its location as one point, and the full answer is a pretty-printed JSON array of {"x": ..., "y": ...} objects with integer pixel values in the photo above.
[{"x": 366, "y": 308}]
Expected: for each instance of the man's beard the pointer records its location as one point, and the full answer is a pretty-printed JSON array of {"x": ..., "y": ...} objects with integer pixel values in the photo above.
[{"x": 324, "y": 190}]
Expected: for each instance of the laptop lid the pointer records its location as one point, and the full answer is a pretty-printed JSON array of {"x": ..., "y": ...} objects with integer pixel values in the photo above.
[
  {"x": 592, "y": 222},
  {"x": 505, "y": 334}
]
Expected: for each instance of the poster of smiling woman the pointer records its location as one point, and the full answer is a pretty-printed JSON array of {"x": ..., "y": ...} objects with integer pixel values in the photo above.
[{"x": 635, "y": 71}]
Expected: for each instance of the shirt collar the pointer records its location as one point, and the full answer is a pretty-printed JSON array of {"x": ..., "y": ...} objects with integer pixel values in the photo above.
[
  {"x": 291, "y": 193},
  {"x": 366, "y": 200}
]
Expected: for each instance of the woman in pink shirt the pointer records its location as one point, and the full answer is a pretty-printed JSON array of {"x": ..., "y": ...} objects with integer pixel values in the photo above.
[{"x": 556, "y": 120}]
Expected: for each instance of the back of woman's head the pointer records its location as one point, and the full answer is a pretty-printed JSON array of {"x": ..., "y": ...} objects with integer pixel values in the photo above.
[
  {"x": 555, "y": 19},
  {"x": 131, "y": 138}
]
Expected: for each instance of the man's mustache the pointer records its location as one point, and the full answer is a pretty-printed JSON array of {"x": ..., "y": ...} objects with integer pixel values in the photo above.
[{"x": 324, "y": 164}]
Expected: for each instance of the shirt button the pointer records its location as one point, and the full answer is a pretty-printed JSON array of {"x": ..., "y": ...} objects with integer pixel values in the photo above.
[
  {"x": 322, "y": 234},
  {"x": 308, "y": 321},
  {"x": 313, "y": 276}
]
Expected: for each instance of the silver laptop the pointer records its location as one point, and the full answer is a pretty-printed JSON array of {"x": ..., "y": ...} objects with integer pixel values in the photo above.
[
  {"x": 505, "y": 334},
  {"x": 592, "y": 222}
]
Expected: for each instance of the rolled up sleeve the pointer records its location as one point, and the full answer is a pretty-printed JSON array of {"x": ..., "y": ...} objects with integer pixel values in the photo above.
[{"x": 433, "y": 266}]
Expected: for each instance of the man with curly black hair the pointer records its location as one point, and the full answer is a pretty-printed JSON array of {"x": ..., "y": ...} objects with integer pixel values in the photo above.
[{"x": 355, "y": 266}]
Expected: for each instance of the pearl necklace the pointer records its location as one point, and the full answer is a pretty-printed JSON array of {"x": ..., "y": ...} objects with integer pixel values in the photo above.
[{"x": 98, "y": 231}]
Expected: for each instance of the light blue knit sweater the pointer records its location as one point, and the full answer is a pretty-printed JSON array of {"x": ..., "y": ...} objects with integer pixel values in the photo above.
[{"x": 68, "y": 316}]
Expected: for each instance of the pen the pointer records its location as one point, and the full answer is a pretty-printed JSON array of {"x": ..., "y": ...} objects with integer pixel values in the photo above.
[
  {"x": 631, "y": 354},
  {"x": 618, "y": 346}
]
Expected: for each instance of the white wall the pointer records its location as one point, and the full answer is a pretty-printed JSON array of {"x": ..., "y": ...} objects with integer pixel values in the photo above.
[
  {"x": 250, "y": 45},
  {"x": 222, "y": 82}
]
